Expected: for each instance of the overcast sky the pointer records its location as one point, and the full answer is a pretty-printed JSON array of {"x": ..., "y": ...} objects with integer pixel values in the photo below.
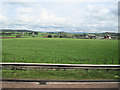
[{"x": 60, "y": 15}]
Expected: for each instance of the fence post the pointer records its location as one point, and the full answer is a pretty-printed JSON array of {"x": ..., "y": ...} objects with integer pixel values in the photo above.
[
  {"x": 80, "y": 61},
  {"x": 105, "y": 61},
  {"x": 23, "y": 59},
  {"x": 52, "y": 61},
  {"x": 69, "y": 59},
  {"x": 32, "y": 59},
  {"x": 96, "y": 61},
  {"x": 42, "y": 60},
  {"x": 4, "y": 58},
  {"x": 88, "y": 60},
  {"x": 119, "y": 60},
  {"x": 56, "y": 60},
  {"x": 14, "y": 58},
  {"x": 112, "y": 61},
  {"x": 61, "y": 61}
]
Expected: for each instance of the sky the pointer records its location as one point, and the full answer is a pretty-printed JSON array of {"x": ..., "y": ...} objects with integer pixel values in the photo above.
[{"x": 93, "y": 16}]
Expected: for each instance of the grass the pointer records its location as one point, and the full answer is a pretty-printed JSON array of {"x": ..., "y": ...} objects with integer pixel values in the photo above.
[
  {"x": 60, "y": 75},
  {"x": 56, "y": 50}
]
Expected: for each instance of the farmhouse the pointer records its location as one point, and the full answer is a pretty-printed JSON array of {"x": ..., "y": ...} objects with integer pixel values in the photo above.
[
  {"x": 90, "y": 36},
  {"x": 107, "y": 37},
  {"x": 99, "y": 37}
]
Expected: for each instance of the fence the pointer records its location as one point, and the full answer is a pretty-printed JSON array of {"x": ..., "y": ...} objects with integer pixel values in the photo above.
[{"x": 59, "y": 60}]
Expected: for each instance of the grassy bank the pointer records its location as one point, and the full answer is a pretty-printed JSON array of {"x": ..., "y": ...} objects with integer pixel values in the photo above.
[{"x": 60, "y": 75}]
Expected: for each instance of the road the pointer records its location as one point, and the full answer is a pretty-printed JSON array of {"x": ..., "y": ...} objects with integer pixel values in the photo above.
[{"x": 59, "y": 85}]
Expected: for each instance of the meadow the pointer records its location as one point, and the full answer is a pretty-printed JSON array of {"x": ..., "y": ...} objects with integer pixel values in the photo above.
[{"x": 60, "y": 50}]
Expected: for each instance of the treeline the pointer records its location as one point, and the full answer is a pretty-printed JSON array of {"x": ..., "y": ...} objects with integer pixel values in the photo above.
[{"x": 61, "y": 34}]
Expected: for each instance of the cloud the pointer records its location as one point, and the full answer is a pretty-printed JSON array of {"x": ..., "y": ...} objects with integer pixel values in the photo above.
[
  {"x": 72, "y": 17},
  {"x": 41, "y": 17},
  {"x": 3, "y": 21},
  {"x": 19, "y": 0},
  {"x": 91, "y": 7},
  {"x": 24, "y": 10},
  {"x": 47, "y": 17},
  {"x": 60, "y": 0},
  {"x": 104, "y": 11},
  {"x": 24, "y": 15},
  {"x": 101, "y": 18},
  {"x": 3, "y": 18}
]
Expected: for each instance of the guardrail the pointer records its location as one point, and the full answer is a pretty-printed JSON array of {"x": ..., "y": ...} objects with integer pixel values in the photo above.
[
  {"x": 45, "y": 81},
  {"x": 58, "y": 66}
]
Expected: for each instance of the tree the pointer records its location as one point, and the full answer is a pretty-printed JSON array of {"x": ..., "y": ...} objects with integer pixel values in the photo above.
[
  {"x": 49, "y": 36},
  {"x": 35, "y": 33},
  {"x": 18, "y": 36}
]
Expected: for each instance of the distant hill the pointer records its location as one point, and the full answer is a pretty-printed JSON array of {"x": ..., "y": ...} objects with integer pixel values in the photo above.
[{"x": 10, "y": 30}]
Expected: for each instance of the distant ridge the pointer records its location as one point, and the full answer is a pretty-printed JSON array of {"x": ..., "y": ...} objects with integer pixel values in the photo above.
[
  {"x": 21, "y": 30},
  {"x": 11, "y": 30}
]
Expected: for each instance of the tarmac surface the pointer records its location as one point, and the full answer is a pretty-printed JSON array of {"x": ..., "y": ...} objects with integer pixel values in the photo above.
[{"x": 59, "y": 85}]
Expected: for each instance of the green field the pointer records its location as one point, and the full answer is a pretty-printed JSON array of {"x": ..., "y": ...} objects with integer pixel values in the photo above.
[
  {"x": 60, "y": 50},
  {"x": 60, "y": 75}
]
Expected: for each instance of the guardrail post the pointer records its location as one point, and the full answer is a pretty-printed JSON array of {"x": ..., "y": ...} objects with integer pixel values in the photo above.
[
  {"x": 64, "y": 69},
  {"x": 42, "y": 83},
  {"x": 107, "y": 70},
  {"x": 76, "y": 69},
  {"x": 86, "y": 70}
]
